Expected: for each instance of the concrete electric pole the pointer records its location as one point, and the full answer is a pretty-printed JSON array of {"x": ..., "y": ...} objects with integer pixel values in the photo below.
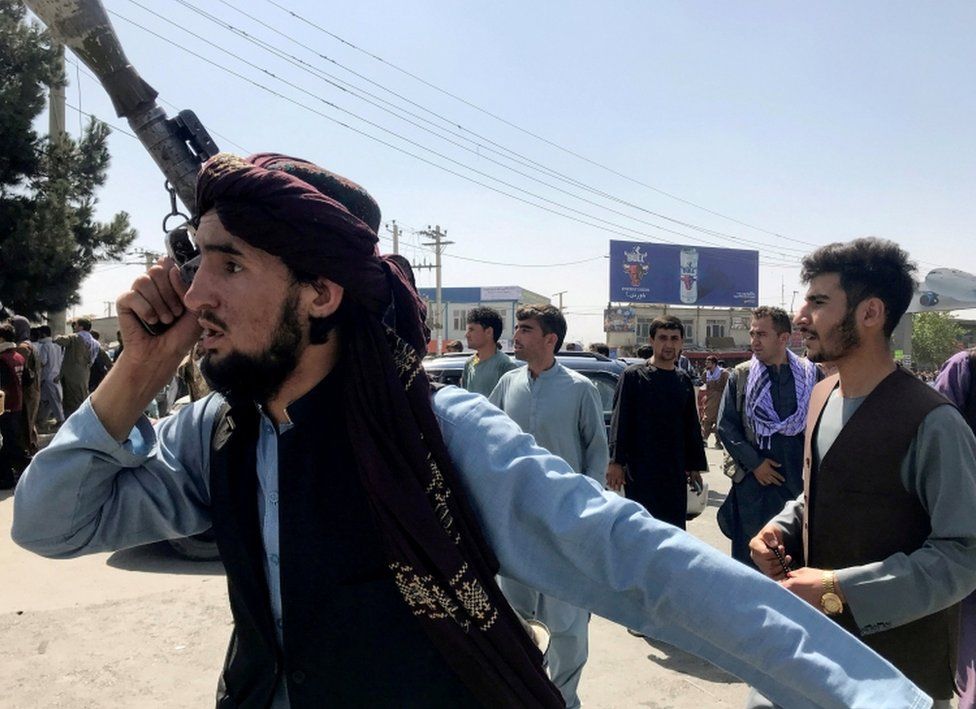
[
  {"x": 439, "y": 243},
  {"x": 57, "y": 321},
  {"x": 560, "y": 295}
]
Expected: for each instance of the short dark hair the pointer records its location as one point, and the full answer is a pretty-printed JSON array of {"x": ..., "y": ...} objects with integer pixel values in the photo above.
[
  {"x": 645, "y": 351},
  {"x": 487, "y": 317},
  {"x": 44, "y": 330},
  {"x": 781, "y": 321},
  {"x": 83, "y": 323},
  {"x": 550, "y": 319},
  {"x": 7, "y": 332},
  {"x": 96, "y": 334},
  {"x": 600, "y": 347},
  {"x": 712, "y": 358},
  {"x": 666, "y": 322},
  {"x": 868, "y": 268}
]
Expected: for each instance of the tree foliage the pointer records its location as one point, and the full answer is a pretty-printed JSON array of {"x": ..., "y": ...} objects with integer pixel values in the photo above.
[
  {"x": 934, "y": 338},
  {"x": 49, "y": 238}
]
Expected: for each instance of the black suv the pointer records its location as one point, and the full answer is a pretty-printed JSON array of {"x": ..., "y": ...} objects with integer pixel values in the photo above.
[{"x": 602, "y": 371}]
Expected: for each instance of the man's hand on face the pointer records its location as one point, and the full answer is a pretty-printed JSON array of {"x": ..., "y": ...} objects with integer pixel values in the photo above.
[
  {"x": 694, "y": 476},
  {"x": 156, "y": 297},
  {"x": 761, "y": 551},
  {"x": 767, "y": 473},
  {"x": 615, "y": 476}
]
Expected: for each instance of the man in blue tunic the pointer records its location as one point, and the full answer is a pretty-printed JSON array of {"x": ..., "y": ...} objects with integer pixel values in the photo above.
[
  {"x": 761, "y": 421},
  {"x": 561, "y": 409},
  {"x": 361, "y": 516}
]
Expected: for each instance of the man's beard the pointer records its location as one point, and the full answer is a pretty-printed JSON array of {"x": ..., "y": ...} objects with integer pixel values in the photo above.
[
  {"x": 258, "y": 377},
  {"x": 844, "y": 337}
]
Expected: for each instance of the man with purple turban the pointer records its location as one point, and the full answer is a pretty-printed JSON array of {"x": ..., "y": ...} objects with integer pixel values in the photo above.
[{"x": 361, "y": 513}]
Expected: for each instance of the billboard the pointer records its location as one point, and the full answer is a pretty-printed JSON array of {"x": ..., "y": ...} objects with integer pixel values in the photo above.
[
  {"x": 683, "y": 275},
  {"x": 621, "y": 319}
]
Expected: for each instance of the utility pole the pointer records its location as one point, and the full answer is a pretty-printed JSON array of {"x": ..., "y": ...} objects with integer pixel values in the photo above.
[
  {"x": 395, "y": 230},
  {"x": 439, "y": 243},
  {"x": 560, "y": 295},
  {"x": 58, "y": 320}
]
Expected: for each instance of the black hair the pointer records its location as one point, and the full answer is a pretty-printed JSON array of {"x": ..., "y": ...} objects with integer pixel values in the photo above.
[
  {"x": 868, "y": 268},
  {"x": 550, "y": 319},
  {"x": 666, "y": 322},
  {"x": 781, "y": 321},
  {"x": 487, "y": 317}
]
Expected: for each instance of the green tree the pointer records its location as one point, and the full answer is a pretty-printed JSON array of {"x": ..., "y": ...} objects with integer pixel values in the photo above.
[
  {"x": 934, "y": 338},
  {"x": 49, "y": 238}
]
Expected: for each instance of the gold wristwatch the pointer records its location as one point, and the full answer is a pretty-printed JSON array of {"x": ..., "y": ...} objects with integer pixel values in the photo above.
[{"x": 830, "y": 601}]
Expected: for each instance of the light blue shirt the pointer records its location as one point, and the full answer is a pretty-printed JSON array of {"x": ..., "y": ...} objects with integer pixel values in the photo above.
[
  {"x": 550, "y": 529},
  {"x": 562, "y": 410}
]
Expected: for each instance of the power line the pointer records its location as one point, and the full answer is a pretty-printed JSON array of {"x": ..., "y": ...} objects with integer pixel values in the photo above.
[
  {"x": 396, "y": 111},
  {"x": 525, "y": 130},
  {"x": 604, "y": 225}
]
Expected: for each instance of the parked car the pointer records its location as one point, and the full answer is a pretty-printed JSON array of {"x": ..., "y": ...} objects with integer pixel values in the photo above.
[{"x": 602, "y": 371}]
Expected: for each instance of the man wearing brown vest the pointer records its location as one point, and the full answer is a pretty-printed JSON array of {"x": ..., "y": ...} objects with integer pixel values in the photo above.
[{"x": 883, "y": 537}]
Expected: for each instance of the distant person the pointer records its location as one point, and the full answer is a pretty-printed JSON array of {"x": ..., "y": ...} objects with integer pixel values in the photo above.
[
  {"x": 562, "y": 410},
  {"x": 13, "y": 455},
  {"x": 761, "y": 421},
  {"x": 712, "y": 389},
  {"x": 118, "y": 350},
  {"x": 645, "y": 351},
  {"x": 32, "y": 382},
  {"x": 957, "y": 382},
  {"x": 600, "y": 348},
  {"x": 486, "y": 366},
  {"x": 50, "y": 356},
  {"x": 656, "y": 446},
  {"x": 80, "y": 351},
  {"x": 190, "y": 374},
  {"x": 101, "y": 365},
  {"x": 454, "y": 346}
]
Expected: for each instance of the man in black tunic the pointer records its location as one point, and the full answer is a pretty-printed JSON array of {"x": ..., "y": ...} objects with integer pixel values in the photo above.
[{"x": 655, "y": 436}]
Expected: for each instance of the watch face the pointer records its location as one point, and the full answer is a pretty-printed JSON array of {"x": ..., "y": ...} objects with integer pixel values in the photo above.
[{"x": 831, "y": 603}]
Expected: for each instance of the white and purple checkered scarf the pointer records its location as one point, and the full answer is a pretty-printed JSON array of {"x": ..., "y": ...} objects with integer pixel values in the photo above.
[{"x": 759, "y": 399}]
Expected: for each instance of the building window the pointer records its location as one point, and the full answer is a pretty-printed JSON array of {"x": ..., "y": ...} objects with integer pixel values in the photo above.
[
  {"x": 644, "y": 329},
  {"x": 714, "y": 328},
  {"x": 689, "y": 331},
  {"x": 460, "y": 319}
]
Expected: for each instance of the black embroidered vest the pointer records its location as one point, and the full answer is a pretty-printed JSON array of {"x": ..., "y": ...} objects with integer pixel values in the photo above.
[{"x": 349, "y": 639}]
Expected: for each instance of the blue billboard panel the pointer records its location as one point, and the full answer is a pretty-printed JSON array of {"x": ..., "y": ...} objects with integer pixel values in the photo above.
[{"x": 683, "y": 275}]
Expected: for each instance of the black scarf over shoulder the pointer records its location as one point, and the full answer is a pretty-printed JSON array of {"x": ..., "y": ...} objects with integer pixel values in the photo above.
[{"x": 320, "y": 223}]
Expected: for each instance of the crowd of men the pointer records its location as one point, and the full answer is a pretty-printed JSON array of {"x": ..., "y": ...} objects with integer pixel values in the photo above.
[
  {"x": 385, "y": 541},
  {"x": 44, "y": 379}
]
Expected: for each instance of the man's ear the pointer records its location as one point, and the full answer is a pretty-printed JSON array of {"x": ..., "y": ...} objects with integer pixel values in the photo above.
[
  {"x": 871, "y": 313},
  {"x": 328, "y": 297},
  {"x": 551, "y": 340}
]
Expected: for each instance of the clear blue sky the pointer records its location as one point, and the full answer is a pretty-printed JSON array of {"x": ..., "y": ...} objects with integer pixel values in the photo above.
[{"x": 813, "y": 122}]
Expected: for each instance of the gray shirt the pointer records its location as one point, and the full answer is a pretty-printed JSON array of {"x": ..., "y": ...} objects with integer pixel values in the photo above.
[
  {"x": 481, "y": 375},
  {"x": 939, "y": 469},
  {"x": 562, "y": 410}
]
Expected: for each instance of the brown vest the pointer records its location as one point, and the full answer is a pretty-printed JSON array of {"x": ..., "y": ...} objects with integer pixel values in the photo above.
[{"x": 858, "y": 511}]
